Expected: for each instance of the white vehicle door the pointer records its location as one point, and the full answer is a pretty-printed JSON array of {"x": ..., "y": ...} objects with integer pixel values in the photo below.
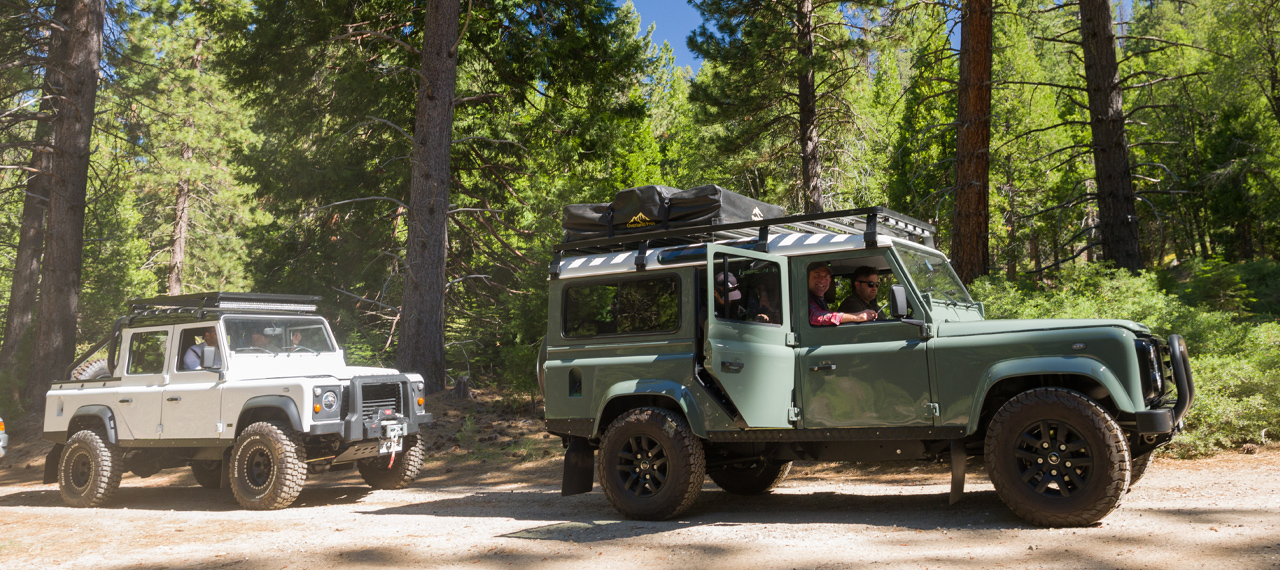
[
  {"x": 142, "y": 383},
  {"x": 193, "y": 398}
]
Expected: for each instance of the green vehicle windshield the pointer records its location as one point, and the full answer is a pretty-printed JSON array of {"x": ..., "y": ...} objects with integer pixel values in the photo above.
[{"x": 933, "y": 275}]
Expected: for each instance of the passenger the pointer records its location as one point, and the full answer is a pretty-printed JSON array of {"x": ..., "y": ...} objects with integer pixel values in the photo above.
[
  {"x": 194, "y": 356},
  {"x": 819, "y": 314},
  {"x": 728, "y": 297},
  {"x": 260, "y": 340},
  {"x": 866, "y": 285}
]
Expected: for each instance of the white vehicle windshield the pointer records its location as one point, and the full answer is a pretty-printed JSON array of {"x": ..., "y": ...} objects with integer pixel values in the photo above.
[
  {"x": 273, "y": 335},
  {"x": 933, "y": 275}
]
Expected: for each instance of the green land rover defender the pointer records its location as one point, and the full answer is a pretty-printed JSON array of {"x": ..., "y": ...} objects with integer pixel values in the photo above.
[{"x": 679, "y": 346}]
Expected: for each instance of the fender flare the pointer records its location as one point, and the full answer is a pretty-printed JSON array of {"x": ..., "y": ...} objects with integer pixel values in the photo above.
[
  {"x": 283, "y": 403},
  {"x": 674, "y": 391},
  {"x": 100, "y": 411},
  {"x": 1073, "y": 365}
]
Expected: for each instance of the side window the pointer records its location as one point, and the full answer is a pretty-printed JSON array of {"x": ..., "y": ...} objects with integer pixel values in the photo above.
[
  {"x": 635, "y": 306},
  {"x": 146, "y": 352},
  {"x": 747, "y": 289}
]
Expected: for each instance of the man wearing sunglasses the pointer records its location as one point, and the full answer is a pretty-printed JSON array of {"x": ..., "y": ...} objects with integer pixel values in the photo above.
[{"x": 866, "y": 284}]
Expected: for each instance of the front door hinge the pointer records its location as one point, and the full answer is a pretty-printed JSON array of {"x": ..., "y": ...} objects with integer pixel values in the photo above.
[
  {"x": 793, "y": 414},
  {"x": 793, "y": 339},
  {"x": 931, "y": 410}
]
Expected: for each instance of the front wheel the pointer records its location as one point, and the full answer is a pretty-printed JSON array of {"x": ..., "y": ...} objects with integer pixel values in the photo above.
[
  {"x": 90, "y": 470},
  {"x": 1056, "y": 458},
  {"x": 651, "y": 466},
  {"x": 1138, "y": 466},
  {"x": 268, "y": 467},
  {"x": 750, "y": 478},
  {"x": 403, "y": 468}
]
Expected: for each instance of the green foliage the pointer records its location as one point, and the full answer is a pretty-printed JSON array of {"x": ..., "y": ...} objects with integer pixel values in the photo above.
[{"x": 1237, "y": 396}]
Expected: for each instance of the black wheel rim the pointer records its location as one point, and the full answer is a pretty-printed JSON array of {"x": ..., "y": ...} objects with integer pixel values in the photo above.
[
  {"x": 642, "y": 466},
  {"x": 258, "y": 468},
  {"x": 1054, "y": 459},
  {"x": 81, "y": 470}
]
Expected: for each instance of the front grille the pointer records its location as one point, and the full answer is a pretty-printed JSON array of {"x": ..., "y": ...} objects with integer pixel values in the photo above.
[{"x": 375, "y": 397}]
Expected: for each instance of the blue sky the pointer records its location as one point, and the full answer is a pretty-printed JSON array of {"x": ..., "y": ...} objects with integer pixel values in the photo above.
[{"x": 675, "y": 19}]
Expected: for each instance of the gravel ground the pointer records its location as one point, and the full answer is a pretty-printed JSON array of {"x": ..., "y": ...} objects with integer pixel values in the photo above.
[{"x": 1210, "y": 513}]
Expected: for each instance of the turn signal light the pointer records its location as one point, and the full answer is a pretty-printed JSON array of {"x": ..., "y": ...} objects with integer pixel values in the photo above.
[
  {"x": 317, "y": 408},
  {"x": 2, "y": 421},
  {"x": 420, "y": 402}
]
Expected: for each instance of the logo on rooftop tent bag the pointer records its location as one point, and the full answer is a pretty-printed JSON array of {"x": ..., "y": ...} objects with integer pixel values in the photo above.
[
  {"x": 756, "y": 215},
  {"x": 640, "y": 221}
]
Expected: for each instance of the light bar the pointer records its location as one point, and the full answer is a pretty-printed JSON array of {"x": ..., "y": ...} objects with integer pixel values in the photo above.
[{"x": 252, "y": 306}]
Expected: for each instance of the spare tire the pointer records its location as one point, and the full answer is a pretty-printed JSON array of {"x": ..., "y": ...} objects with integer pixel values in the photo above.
[{"x": 92, "y": 370}]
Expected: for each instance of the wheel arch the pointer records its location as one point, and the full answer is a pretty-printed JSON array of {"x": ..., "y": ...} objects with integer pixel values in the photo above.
[
  {"x": 1009, "y": 378},
  {"x": 269, "y": 408},
  {"x": 93, "y": 417},
  {"x": 641, "y": 393}
]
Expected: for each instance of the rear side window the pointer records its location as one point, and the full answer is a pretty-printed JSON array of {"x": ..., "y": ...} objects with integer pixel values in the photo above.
[
  {"x": 634, "y": 306},
  {"x": 146, "y": 352}
]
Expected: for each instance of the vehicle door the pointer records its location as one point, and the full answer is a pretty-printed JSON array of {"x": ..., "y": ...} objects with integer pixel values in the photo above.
[
  {"x": 142, "y": 384},
  {"x": 747, "y": 331},
  {"x": 861, "y": 374},
  {"x": 192, "y": 398}
]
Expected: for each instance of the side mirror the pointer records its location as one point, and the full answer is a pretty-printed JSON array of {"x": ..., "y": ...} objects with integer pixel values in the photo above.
[
  {"x": 209, "y": 356},
  {"x": 898, "y": 307}
]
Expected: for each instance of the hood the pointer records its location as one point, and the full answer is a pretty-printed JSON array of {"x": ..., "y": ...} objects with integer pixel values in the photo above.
[{"x": 999, "y": 326}]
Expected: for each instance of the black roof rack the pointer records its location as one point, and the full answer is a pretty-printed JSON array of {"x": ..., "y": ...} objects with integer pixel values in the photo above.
[
  {"x": 867, "y": 222},
  {"x": 227, "y": 301}
]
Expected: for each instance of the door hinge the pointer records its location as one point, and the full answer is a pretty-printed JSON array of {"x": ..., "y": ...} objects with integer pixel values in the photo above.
[
  {"x": 159, "y": 428},
  {"x": 793, "y": 414},
  {"x": 931, "y": 410},
  {"x": 793, "y": 339}
]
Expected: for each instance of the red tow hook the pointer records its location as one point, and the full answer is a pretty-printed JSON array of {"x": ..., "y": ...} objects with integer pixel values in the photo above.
[{"x": 393, "y": 460}]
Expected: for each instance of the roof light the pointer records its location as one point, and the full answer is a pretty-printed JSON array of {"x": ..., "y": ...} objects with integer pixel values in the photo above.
[{"x": 255, "y": 306}]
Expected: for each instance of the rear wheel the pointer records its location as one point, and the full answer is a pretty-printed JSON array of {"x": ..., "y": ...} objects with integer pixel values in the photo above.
[
  {"x": 1056, "y": 458},
  {"x": 208, "y": 472},
  {"x": 751, "y": 477},
  {"x": 268, "y": 467},
  {"x": 387, "y": 473},
  {"x": 90, "y": 470},
  {"x": 651, "y": 466}
]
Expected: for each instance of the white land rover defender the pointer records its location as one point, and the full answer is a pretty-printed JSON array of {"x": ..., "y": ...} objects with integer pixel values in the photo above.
[{"x": 249, "y": 390}]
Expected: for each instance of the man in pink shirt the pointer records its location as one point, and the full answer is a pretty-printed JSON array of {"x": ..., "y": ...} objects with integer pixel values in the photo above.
[{"x": 819, "y": 314}]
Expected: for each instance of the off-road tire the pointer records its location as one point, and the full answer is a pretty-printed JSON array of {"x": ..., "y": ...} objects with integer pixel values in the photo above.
[
  {"x": 208, "y": 472},
  {"x": 268, "y": 467},
  {"x": 401, "y": 473},
  {"x": 90, "y": 469},
  {"x": 91, "y": 370},
  {"x": 656, "y": 443},
  {"x": 1076, "y": 479},
  {"x": 750, "y": 478},
  {"x": 1138, "y": 466}
]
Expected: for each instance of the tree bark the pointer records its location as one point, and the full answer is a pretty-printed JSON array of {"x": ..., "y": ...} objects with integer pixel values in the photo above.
[
  {"x": 421, "y": 344},
  {"x": 181, "y": 221},
  {"x": 970, "y": 243},
  {"x": 1117, "y": 213},
  {"x": 810, "y": 163},
  {"x": 78, "y": 56}
]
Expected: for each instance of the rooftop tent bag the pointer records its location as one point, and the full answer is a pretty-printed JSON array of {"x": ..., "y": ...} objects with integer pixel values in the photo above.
[{"x": 650, "y": 208}]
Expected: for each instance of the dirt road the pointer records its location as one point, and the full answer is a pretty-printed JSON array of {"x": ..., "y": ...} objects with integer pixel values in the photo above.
[{"x": 1216, "y": 513}]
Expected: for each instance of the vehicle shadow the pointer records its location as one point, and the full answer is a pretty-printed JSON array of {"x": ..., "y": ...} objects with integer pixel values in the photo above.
[
  {"x": 590, "y": 518},
  {"x": 191, "y": 498}
]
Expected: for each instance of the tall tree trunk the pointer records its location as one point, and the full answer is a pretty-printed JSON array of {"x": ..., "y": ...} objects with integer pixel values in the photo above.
[
  {"x": 78, "y": 56},
  {"x": 421, "y": 344},
  {"x": 1117, "y": 214},
  {"x": 810, "y": 165},
  {"x": 26, "y": 270},
  {"x": 181, "y": 221},
  {"x": 970, "y": 244}
]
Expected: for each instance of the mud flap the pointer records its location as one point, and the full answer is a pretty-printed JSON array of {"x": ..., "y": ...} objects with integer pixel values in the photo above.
[
  {"x": 224, "y": 480},
  {"x": 579, "y": 459},
  {"x": 958, "y": 459},
  {"x": 51, "y": 464}
]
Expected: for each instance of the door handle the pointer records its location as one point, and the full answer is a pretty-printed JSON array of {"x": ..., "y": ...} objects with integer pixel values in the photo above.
[
  {"x": 127, "y": 401},
  {"x": 821, "y": 367},
  {"x": 735, "y": 367},
  {"x": 175, "y": 398}
]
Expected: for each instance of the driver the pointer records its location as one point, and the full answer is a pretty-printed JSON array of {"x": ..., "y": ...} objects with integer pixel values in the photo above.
[
  {"x": 194, "y": 356},
  {"x": 866, "y": 285},
  {"x": 260, "y": 340},
  {"x": 819, "y": 314}
]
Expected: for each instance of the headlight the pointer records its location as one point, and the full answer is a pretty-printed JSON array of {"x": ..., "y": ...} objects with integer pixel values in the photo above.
[
  {"x": 329, "y": 401},
  {"x": 1157, "y": 368},
  {"x": 419, "y": 386}
]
